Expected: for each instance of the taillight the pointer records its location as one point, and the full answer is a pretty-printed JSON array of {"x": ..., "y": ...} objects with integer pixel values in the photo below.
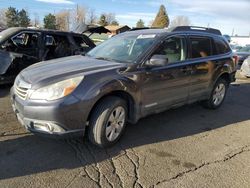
[{"x": 236, "y": 59}]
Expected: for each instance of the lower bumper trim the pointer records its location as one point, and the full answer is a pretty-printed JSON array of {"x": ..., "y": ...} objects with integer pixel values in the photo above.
[{"x": 67, "y": 134}]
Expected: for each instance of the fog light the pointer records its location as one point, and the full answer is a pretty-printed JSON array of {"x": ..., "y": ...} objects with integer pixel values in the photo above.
[
  {"x": 56, "y": 128},
  {"x": 41, "y": 127},
  {"x": 48, "y": 127}
]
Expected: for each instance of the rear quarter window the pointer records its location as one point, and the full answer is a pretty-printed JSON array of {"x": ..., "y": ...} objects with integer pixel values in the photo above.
[{"x": 221, "y": 46}]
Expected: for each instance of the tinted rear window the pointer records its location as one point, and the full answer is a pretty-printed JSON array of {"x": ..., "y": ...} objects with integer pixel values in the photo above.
[
  {"x": 201, "y": 47},
  {"x": 221, "y": 46}
]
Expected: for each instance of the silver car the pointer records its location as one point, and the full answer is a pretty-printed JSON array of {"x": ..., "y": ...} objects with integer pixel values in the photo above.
[{"x": 245, "y": 68}]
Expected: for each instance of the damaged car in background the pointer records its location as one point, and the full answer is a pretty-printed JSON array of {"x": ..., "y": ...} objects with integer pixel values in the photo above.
[{"x": 22, "y": 47}]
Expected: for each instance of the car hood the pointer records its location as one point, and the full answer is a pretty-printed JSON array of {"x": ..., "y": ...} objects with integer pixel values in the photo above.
[{"x": 65, "y": 67}]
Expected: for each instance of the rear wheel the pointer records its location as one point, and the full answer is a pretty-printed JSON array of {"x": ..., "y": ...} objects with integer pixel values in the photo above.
[
  {"x": 218, "y": 95},
  {"x": 108, "y": 121}
]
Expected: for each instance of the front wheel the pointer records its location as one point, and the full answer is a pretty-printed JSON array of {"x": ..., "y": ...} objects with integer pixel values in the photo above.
[
  {"x": 218, "y": 95},
  {"x": 108, "y": 121}
]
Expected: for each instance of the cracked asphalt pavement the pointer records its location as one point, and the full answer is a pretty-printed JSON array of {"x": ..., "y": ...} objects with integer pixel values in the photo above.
[{"x": 185, "y": 147}]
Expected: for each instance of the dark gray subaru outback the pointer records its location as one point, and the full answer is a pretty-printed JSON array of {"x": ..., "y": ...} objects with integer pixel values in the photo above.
[{"x": 122, "y": 80}]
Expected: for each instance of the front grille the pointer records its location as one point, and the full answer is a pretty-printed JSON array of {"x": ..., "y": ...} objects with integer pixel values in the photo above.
[
  {"x": 21, "y": 88},
  {"x": 21, "y": 92}
]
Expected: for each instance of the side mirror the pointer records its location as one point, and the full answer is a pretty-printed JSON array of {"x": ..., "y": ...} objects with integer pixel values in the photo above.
[
  {"x": 157, "y": 61},
  {"x": 3, "y": 46},
  {"x": 6, "y": 45}
]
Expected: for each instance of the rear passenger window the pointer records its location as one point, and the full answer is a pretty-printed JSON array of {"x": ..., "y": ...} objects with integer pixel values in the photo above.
[
  {"x": 201, "y": 47},
  {"x": 80, "y": 42},
  {"x": 221, "y": 46},
  {"x": 56, "y": 46}
]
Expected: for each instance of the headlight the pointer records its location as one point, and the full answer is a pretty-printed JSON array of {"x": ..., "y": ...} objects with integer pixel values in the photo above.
[{"x": 57, "y": 90}]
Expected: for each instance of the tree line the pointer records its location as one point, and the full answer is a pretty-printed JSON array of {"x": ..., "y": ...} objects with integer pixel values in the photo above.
[
  {"x": 63, "y": 20},
  {"x": 14, "y": 18},
  {"x": 68, "y": 19}
]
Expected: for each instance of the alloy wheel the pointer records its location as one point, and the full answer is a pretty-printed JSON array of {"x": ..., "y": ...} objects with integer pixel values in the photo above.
[
  {"x": 115, "y": 123},
  {"x": 219, "y": 94}
]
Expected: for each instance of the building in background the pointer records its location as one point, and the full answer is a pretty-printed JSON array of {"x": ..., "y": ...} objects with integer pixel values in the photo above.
[
  {"x": 240, "y": 40},
  {"x": 116, "y": 29}
]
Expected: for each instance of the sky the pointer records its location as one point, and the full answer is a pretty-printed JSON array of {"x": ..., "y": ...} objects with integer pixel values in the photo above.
[{"x": 230, "y": 16}]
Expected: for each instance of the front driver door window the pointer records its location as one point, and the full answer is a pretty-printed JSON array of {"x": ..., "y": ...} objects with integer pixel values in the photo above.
[
  {"x": 174, "y": 49},
  {"x": 26, "y": 43}
]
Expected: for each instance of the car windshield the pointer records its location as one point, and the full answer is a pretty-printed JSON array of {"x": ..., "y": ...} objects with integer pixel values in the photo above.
[{"x": 124, "y": 48}]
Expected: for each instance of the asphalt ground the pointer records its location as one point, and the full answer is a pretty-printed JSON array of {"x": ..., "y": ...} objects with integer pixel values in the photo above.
[{"x": 185, "y": 147}]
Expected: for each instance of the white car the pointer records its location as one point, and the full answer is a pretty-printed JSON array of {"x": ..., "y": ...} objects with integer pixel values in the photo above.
[{"x": 245, "y": 68}]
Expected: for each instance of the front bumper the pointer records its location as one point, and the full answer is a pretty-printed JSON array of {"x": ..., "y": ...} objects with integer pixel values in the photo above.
[{"x": 62, "y": 118}]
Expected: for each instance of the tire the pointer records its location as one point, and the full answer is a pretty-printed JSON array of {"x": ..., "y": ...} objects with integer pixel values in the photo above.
[
  {"x": 217, "y": 95},
  {"x": 106, "y": 126}
]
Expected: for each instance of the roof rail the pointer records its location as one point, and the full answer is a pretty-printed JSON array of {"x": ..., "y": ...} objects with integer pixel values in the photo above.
[
  {"x": 142, "y": 28},
  {"x": 138, "y": 28},
  {"x": 195, "y": 28}
]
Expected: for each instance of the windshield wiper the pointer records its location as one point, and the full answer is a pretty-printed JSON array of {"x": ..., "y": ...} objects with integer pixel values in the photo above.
[
  {"x": 109, "y": 59},
  {"x": 104, "y": 58}
]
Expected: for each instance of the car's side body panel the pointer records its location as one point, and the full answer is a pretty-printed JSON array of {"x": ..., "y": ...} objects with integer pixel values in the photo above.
[{"x": 164, "y": 86}]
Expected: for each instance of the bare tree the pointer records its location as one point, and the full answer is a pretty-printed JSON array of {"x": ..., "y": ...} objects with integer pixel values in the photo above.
[
  {"x": 91, "y": 17},
  {"x": 62, "y": 20},
  {"x": 110, "y": 17},
  {"x": 78, "y": 16},
  {"x": 3, "y": 22},
  {"x": 180, "y": 21},
  {"x": 36, "y": 21}
]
